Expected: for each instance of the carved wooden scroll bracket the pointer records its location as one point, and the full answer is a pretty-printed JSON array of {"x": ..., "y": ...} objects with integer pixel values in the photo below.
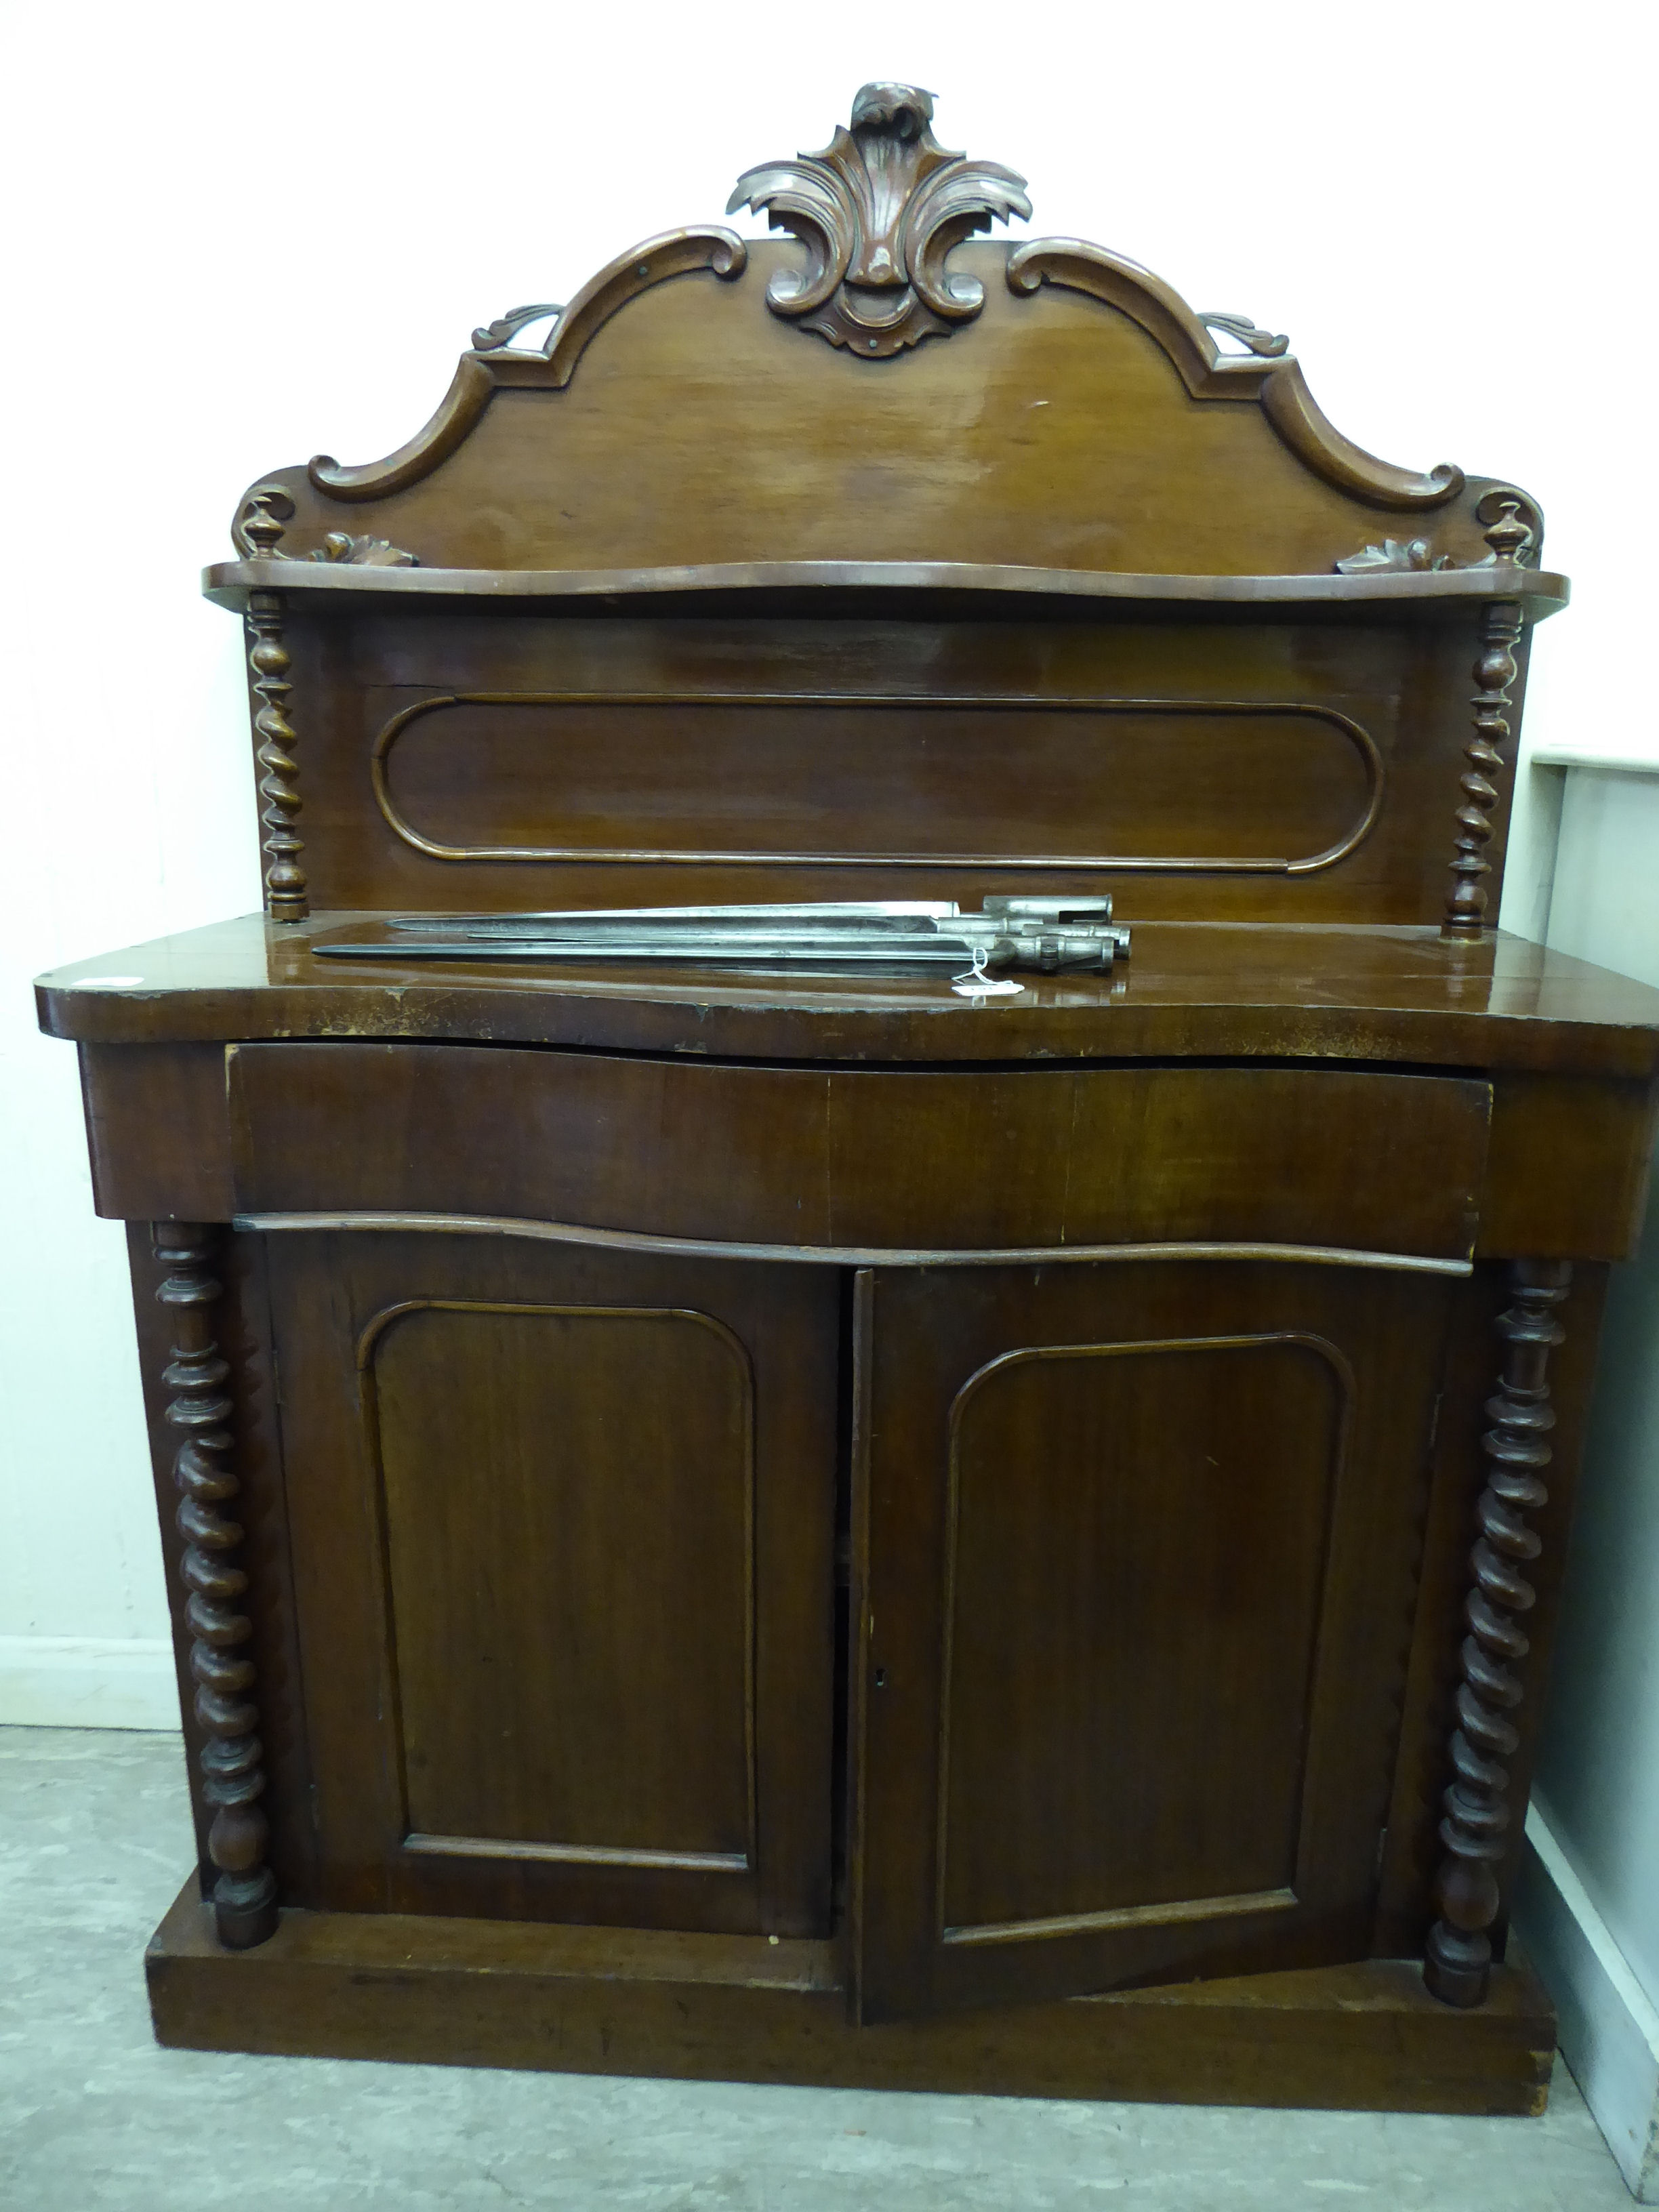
[
  {"x": 1266, "y": 374},
  {"x": 497, "y": 336},
  {"x": 232, "y": 1762},
  {"x": 877, "y": 211},
  {"x": 480, "y": 375},
  {"x": 1475, "y": 1829}
]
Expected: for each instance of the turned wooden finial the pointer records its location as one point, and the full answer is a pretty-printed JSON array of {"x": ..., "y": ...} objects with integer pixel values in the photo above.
[
  {"x": 1508, "y": 537},
  {"x": 262, "y": 527}
]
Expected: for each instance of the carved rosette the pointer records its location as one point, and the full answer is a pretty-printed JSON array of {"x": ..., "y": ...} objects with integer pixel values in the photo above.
[
  {"x": 878, "y": 212},
  {"x": 1475, "y": 1831},
  {"x": 232, "y": 1761}
]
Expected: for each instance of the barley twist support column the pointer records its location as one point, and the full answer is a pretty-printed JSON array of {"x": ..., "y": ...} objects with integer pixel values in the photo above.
[
  {"x": 286, "y": 894},
  {"x": 1495, "y": 670},
  {"x": 287, "y": 898},
  {"x": 1475, "y": 1828},
  {"x": 198, "y": 1412}
]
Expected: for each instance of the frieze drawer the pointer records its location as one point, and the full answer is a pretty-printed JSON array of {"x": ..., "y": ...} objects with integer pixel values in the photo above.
[{"x": 854, "y": 1160}]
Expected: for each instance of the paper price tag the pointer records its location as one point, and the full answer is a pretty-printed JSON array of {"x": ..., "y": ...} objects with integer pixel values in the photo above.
[{"x": 977, "y": 985}]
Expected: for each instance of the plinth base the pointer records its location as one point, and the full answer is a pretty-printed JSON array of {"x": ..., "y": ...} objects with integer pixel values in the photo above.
[{"x": 1366, "y": 2037}]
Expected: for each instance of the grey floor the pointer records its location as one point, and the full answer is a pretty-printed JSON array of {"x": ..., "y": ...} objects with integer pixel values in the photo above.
[{"x": 93, "y": 1845}]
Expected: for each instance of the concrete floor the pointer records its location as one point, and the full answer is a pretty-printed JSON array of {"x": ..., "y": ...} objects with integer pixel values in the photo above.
[{"x": 94, "y": 2118}]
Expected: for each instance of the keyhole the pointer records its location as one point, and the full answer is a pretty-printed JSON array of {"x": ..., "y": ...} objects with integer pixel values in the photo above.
[{"x": 881, "y": 1678}]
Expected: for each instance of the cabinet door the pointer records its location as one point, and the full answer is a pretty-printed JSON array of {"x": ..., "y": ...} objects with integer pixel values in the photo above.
[
  {"x": 564, "y": 1527},
  {"x": 1136, "y": 1548}
]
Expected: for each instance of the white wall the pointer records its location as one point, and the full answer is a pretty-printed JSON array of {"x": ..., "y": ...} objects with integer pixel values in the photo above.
[
  {"x": 1589, "y": 1906},
  {"x": 1599, "y": 1767},
  {"x": 240, "y": 236}
]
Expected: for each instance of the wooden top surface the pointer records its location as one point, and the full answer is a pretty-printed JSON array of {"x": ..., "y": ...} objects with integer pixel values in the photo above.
[{"x": 1190, "y": 990}]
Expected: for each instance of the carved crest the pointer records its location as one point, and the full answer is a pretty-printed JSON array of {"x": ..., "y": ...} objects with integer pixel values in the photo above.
[{"x": 878, "y": 212}]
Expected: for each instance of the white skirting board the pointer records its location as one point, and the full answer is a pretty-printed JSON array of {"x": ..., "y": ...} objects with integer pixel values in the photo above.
[
  {"x": 1609, "y": 2026},
  {"x": 87, "y": 1681}
]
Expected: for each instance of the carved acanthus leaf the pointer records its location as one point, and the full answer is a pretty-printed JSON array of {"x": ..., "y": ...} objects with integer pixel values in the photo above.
[
  {"x": 267, "y": 509},
  {"x": 363, "y": 552},
  {"x": 878, "y": 212},
  {"x": 1404, "y": 557},
  {"x": 1514, "y": 531},
  {"x": 1269, "y": 344}
]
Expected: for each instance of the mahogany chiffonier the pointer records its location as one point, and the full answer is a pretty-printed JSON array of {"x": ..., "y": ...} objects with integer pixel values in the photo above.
[{"x": 822, "y": 1525}]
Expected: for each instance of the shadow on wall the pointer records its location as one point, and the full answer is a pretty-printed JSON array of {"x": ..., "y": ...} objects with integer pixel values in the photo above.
[{"x": 1598, "y": 1771}]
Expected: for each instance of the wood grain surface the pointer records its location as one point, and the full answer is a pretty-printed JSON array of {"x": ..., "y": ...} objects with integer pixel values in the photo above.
[
  {"x": 562, "y": 1527},
  {"x": 1189, "y": 991},
  {"x": 596, "y": 2001}
]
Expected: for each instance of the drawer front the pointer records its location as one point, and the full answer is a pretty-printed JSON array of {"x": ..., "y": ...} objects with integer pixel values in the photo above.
[{"x": 853, "y": 1160}]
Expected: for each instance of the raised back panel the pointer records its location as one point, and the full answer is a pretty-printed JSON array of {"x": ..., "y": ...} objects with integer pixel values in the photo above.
[
  {"x": 1283, "y": 767},
  {"x": 821, "y": 527},
  {"x": 1054, "y": 431}
]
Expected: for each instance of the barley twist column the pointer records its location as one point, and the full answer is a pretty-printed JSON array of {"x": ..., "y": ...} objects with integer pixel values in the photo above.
[
  {"x": 1458, "y": 1965},
  {"x": 231, "y": 1763},
  {"x": 287, "y": 898},
  {"x": 1495, "y": 670}
]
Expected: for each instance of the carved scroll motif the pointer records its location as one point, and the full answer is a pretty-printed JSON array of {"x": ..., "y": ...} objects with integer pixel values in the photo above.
[
  {"x": 878, "y": 212},
  {"x": 1458, "y": 1964},
  {"x": 231, "y": 1764},
  {"x": 1266, "y": 345},
  {"x": 480, "y": 375},
  {"x": 497, "y": 336},
  {"x": 1501, "y": 625},
  {"x": 1265, "y": 373}
]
